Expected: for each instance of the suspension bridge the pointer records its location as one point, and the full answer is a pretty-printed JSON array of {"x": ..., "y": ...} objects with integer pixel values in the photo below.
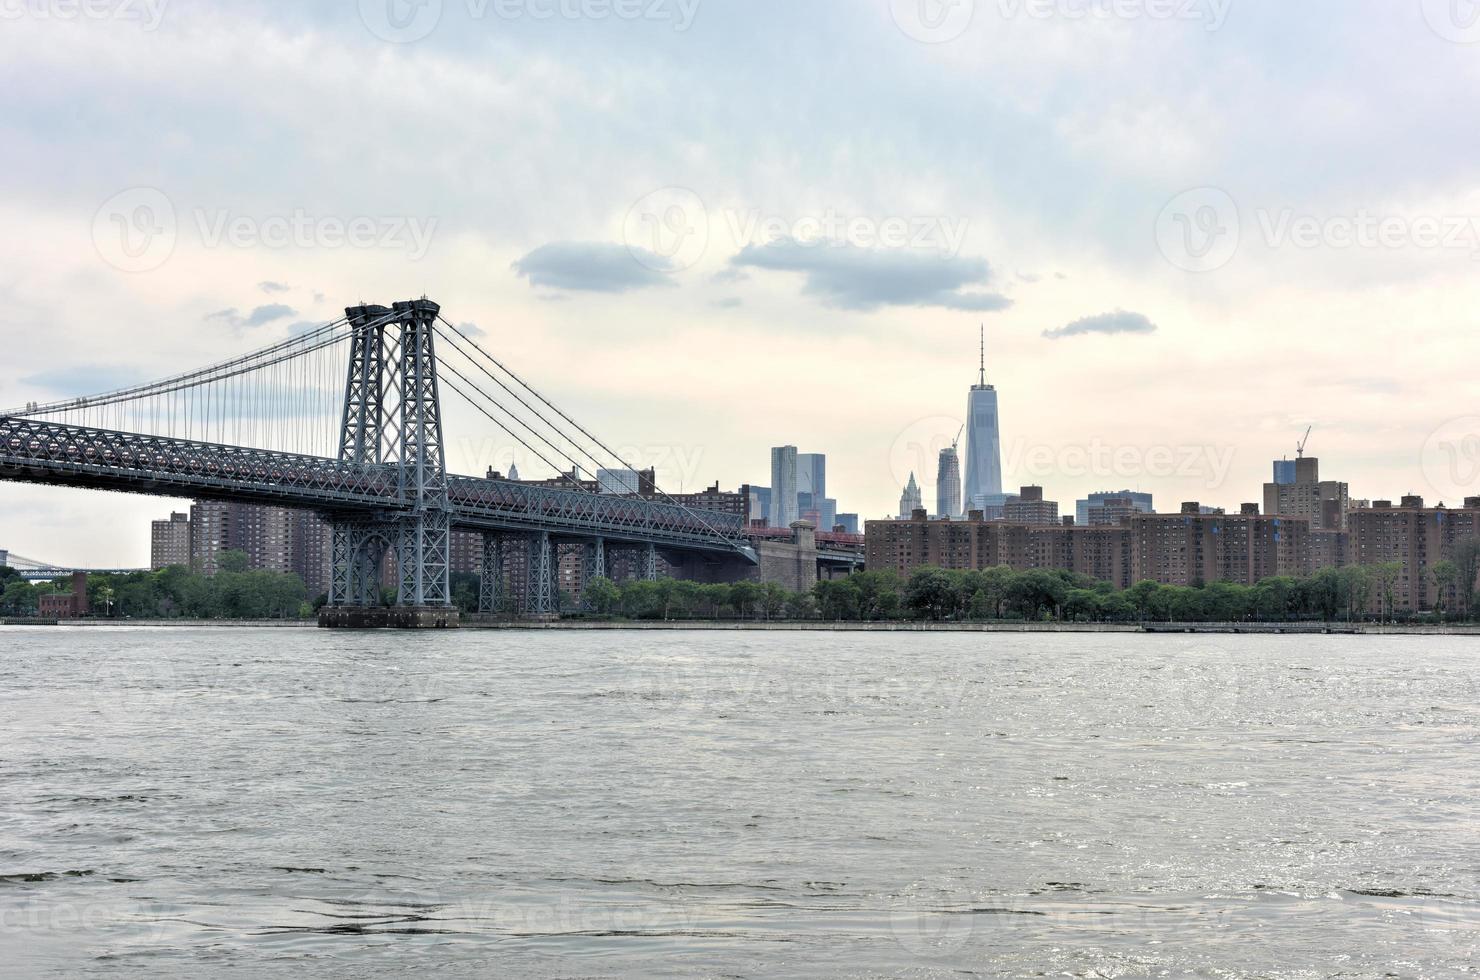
[{"x": 346, "y": 419}]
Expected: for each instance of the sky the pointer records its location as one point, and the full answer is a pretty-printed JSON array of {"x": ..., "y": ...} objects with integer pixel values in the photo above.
[{"x": 1191, "y": 228}]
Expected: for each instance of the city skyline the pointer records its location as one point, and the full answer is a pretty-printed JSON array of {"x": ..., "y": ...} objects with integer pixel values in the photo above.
[{"x": 1136, "y": 354}]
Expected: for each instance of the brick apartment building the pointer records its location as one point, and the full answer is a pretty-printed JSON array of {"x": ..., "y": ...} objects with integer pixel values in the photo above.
[
  {"x": 1415, "y": 537},
  {"x": 169, "y": 542},
  {"x": 1173, "y": 549}
]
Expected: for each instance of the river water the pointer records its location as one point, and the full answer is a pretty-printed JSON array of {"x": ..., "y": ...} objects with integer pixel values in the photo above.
[{"x": 290, "y": 802}]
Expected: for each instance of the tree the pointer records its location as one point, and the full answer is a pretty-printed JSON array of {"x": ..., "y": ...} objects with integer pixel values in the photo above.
[
  {"x": 1445, "y": 574},
  {"x": 231, "y": 560},
  {"x": 773, "y": 599},
  {"x": 1466, "y": 557},
  {"x": 1386, "y": 575},
  {"x": 1141, "y": 596},
  {"x": 800, "y": 605},
  {"x": 19, "y": 598},
  {"x": 744, "y": 595},
  {"x": 1082, "y": 605},
  {"x": 603, "y": 595},
  {"x": 995, "y": 583},
  {"x": 930, "y": 593},
  {"x": 837, "y": 599}
]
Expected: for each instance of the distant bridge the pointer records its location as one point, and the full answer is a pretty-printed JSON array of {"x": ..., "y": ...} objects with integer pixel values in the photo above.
[
  {"x": 39, "y": 571},
  {"x": 346, "y": 420}
]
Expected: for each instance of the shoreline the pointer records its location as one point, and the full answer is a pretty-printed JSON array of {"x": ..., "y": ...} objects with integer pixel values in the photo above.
[{"x": 474, "y": 623}]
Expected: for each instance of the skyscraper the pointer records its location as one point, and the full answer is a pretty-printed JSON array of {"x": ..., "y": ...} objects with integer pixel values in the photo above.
[
  {"x": 909, "y": 501},
  {"x": 812, "y": 474},
  {"x": 783, "y": 486},
  {"x": 948, "y": 484},
  {"x": 983, "y": 440}
]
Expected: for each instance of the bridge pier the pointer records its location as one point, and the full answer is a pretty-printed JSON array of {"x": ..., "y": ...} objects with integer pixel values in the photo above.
[
  {"x": 491, "y": 575},
  {"x": 542, "y": 568},
  {"x": 409, "y": 437}
]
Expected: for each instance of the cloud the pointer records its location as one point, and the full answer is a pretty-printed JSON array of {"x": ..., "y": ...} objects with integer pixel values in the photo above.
[
  {"x": 471, "y": 329},
  {"x": 852, "y": 278},
  {"x": 1029, "y": 277},
  {"x": 730, "y": 274},
  {"x": 729, "y": 303},
  {"x": 1120, "y": 321},
  {"x": 85, "y": 379},
  {"x": 598, "y": 267},
  {"x": 268, "y": 286},
  {"x": 260, "y": 315}
]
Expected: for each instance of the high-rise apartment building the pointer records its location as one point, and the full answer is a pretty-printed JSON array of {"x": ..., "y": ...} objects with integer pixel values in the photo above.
[
  {"x": 784, "y": 510},
  {"x": 948, "y": 484},
  {"x": 1323, "y": 503},
  {"x": 169, "y": 542},
  {"x": 1029, "y": 507},
  {"x": 983, "y": 440},
  {"x": 275, "y": 539},
  {"x": 1412, "y": 537},
  {"x": 1109, "y": 506}
]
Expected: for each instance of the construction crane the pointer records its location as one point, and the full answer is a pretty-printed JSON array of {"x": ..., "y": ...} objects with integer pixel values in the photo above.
[
  {"x": 1300, "y": 446},
  {"x": 957, "y": 440}
]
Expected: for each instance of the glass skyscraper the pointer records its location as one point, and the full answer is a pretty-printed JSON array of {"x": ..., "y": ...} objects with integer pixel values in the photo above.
[
  {"x": 983, "y": 440},
  {"x": 783, "y": 486}
]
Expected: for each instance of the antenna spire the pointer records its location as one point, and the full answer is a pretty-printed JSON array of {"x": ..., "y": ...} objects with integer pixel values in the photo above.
[{"x": 983, "y": 381}]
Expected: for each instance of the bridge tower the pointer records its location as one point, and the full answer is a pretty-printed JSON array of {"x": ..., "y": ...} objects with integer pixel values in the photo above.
[{"x": 392, "y": 417}]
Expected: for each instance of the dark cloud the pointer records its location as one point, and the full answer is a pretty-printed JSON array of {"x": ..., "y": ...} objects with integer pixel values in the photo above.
[
  {"x": 259, "y": 315},
  {"x": 269, "y": 286},
  {"x": 853, "y": 278},
  {"x": 598, "y": 267},
  {"x": 1120, "y": 321}
]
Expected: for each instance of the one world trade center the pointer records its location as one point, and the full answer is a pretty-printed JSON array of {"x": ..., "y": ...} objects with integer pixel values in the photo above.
[{"x": 983, "y": 443}]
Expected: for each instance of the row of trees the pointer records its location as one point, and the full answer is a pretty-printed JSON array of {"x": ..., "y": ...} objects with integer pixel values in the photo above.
[
  {"x": 1331, "y": 594},
  {"x": 232, "y": 593},
  {"x": 1350, "y": 593}
]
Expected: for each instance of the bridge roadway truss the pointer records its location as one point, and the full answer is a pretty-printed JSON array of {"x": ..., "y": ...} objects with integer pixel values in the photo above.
[{"x": 387, "y": 491}]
